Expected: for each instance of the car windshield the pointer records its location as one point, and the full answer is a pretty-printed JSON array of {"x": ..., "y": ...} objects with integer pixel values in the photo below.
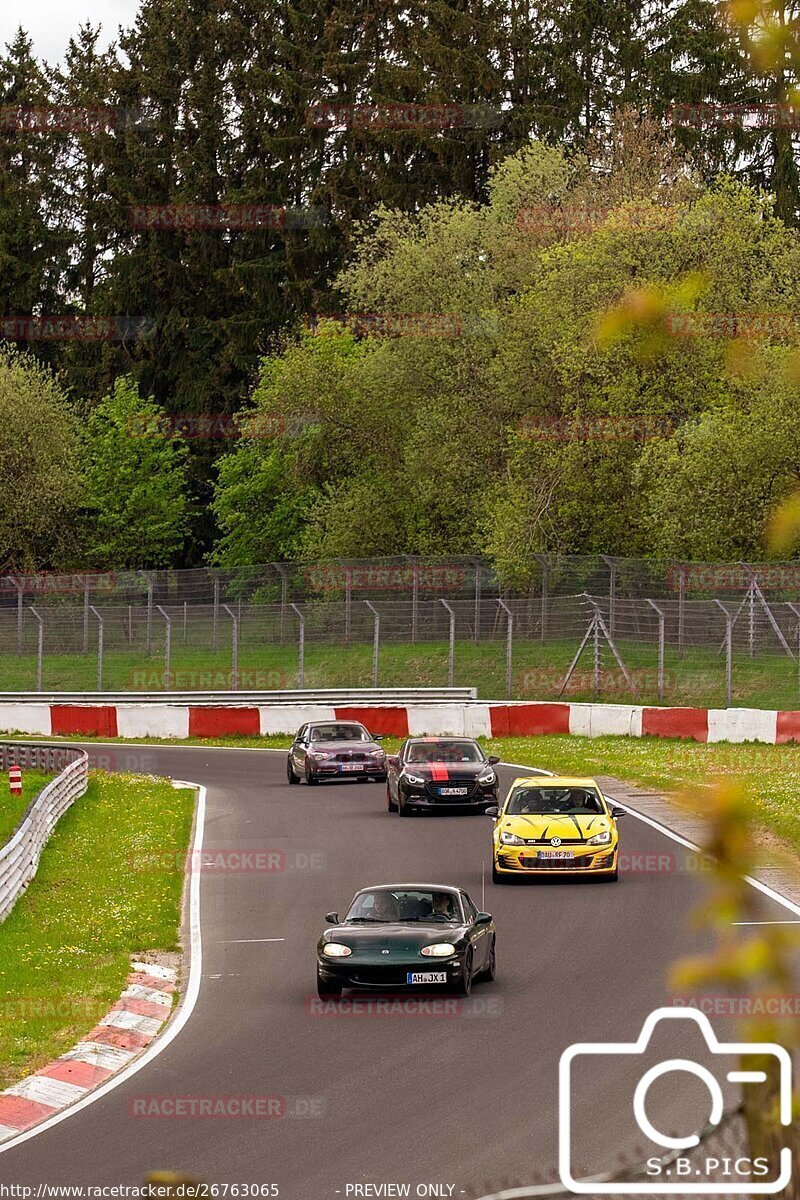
[
  {"x": 338, "y": 733},
  {"x": 387, "y": 906},
  {"x": 550, "y": 801},
  {"x": 452, "y": 752}
]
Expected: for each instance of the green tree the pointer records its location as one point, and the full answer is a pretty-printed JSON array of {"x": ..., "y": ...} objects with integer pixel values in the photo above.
[
  {"x": 39, "y": 465},
  {"x": 135, "y": 473}
]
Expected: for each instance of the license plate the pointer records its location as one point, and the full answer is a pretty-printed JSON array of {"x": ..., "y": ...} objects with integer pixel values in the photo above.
[
  {"x": 352, "y": 766},
  {"x": 453, "y": 791},
  {"x": 566, "y": 855},
  {"x": 426, "y": 977}
]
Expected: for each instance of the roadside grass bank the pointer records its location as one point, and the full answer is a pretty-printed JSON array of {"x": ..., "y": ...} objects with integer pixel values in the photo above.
[
  {"x": 695, "y": 677},
  {"x": 12, "y": 808},
  {"x": 109, "y": 885}
]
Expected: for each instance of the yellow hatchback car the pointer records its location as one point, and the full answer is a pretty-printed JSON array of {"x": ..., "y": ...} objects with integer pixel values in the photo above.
[{"x": 554, "y": 825}]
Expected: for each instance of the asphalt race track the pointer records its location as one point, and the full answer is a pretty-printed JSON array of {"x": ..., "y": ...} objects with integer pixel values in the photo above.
[{"x": 467, "y": 1098}]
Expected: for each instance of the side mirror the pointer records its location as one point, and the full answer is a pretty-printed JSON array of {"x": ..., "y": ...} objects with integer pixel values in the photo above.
[
  {"x": 332, "y": 918},
  {"x": 377, "y": 737},
  {"x": 492, "y": 812},
  {"x": 483, "y": 918},
  {"x": 616, "y": 811},
  {"x": 494, "y": 759},
  {"x": 393, "y": 760}
]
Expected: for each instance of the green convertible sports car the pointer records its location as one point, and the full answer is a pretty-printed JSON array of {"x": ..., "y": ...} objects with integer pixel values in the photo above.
[{"x": 406, "y": 936}]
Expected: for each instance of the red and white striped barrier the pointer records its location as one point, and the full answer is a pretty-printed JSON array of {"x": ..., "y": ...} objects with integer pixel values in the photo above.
[{"x": 466, "y": 717}]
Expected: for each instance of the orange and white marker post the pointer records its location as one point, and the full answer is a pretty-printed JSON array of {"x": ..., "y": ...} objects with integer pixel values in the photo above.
[{"x": 15, "y": 781}]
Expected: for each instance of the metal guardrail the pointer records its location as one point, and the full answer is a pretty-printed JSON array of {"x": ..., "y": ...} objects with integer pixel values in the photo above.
[
  {"x": 343, "y": 696},
  {"x": 19, "y": 858}
]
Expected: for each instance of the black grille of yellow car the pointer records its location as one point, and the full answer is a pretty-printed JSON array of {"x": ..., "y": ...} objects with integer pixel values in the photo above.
[{"x": 558, "y": 864}]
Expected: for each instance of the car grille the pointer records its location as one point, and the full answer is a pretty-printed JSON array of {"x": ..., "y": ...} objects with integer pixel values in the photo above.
[
  {"x": 351, "y": 756},
  {"x": 558, "y": 864},
  {"x": 432, "y": 790}
]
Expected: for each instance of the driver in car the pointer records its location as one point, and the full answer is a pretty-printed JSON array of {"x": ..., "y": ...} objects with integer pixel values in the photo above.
[
  {"x": 443, "y": 907},
  {"x": 384, "y": 907}
]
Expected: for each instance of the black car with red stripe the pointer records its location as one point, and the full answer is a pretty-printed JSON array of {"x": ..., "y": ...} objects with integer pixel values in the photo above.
[{"x": 434, "y": 774}]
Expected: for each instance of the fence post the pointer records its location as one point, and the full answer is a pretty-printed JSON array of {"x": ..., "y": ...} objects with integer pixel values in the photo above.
[
  {"x": 168, "y": 645},
  {"x": 728, "y": 651},
  {"x": 99, "y": 648},
  {"x": 215, "y": 618},
  {"x": 509, "y": 645},
  {"x": 149, "y": 641},
  {"x": 796, "y": 611},
  {"x": 234, "y": 647},
  {"x": 376, "y": 641},
  {"x": 86, "y": 615},
  {"x": 284, "y": 597},
  {"x": 612, "y": 591},
  {"x": 184, "y": 622},
  {"x": 40, "y": 649},
  {"x": 545, "y": 565},
  {"x": 452, "y": 655},
  {"x": 348, "y": 603},
  {"x": 414, "y": 600},
  {"x": 301, "y": 650},
  {"x": 20, "y": 617},
  {"x": 681, "y": 608},
  {"x": 478, "y": 581},
  {"x": 660, "y": 612}
]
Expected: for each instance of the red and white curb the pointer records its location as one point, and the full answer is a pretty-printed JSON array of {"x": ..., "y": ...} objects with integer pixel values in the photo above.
[
  {"x": 132, "y": 1024},
  {"x": 470, "y": 718}
]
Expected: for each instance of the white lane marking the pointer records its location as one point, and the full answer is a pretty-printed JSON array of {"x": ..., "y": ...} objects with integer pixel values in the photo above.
[
  {"x": 682, "y": 841},
  {"x": 765, "y": 922},
  {"x": 182, "y": 1014}
]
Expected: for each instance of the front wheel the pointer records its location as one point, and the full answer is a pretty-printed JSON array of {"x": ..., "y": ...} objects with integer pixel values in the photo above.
[
  {"x": 497, "y": 877},
  {"x": 290, "y": 771},
  {"x": 311, "y": 778},
  {"x": 464, "y": 985},
  {"x": 327, "y": 989},
  {"x": 402, "y": 808},
  {"x": 489, "y": 972},
  {"x": 390, "y": 804}
]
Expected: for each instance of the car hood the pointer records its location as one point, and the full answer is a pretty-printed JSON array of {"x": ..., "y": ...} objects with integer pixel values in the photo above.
[
  {"x": 546, "y": 826},
  {"x": 440, "y": 772},
  {"x": 339, "y": 747},
  {"x": 397, "y": 939}
]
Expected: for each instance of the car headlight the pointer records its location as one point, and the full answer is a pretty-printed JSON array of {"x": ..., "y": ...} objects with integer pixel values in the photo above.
[
  {"x": 439, "y": 950},
  {"x": 322, "y": 755},
  {"x": 413, "y": 778},
  {"x": 511, "y": 839},
  {"x": 336, "y": 950},
  {"x": 378, "y": 753},
  {"x": 487, "y": 776},
  {"x": 600, "y": 839}
]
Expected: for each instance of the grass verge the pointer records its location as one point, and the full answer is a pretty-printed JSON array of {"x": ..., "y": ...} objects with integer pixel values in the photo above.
[
  {"x": 65, "y": 949},
  {"x": 12, "y": 808}
]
